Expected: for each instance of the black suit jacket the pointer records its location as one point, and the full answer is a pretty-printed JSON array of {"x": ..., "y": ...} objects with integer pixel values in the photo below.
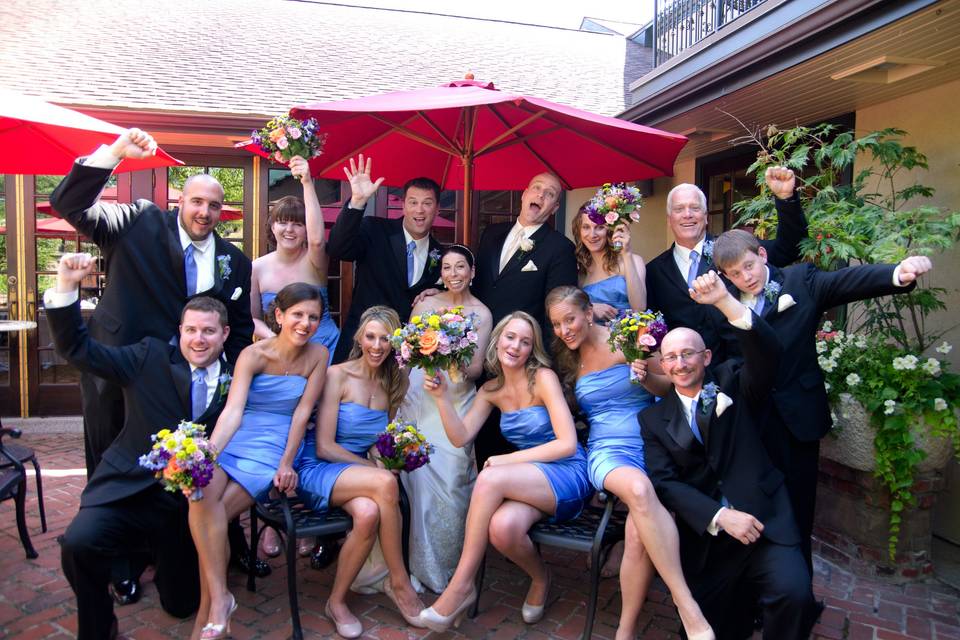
[
  {"x": 668, "y": 293},
  {"x": 156, "y": 390},
  {"x": 690, "y": 477},
  {"x": 515, "y": 289},
  {"x": 146, "y": 286},
  {"x": 378, "y": 249},
  {"x": 799, "y": 396}
]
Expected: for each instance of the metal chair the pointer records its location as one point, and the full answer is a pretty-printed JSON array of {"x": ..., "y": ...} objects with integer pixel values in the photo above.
[
  {"x": 594, "y": 531},
  {"x": 13, "y": 485},
  {"x": 24, "y": 455}
]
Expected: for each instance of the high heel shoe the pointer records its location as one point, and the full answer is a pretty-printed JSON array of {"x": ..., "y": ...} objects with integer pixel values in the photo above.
[
  {"x": 345, "y": 629},
  {"x": 213, "y": 631},
  {"x": 436, "y": 622},
  {"x": 413, "y": 621},
  {"x": 533, "y": 613},
  {"x": 305, "y": 546},
  {"x": 270, "y": 544},
  {"x": 703, "y": 635}
]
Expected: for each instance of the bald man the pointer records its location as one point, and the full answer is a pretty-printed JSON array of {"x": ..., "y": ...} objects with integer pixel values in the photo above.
[{"x": 739, "y": 542}]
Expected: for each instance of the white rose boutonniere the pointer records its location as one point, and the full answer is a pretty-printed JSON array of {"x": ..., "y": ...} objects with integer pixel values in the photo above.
[{"x": 223, "y": 267}]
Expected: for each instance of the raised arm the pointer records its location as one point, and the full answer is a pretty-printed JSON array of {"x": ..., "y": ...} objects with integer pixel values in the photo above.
[
  {"x": 346, "y": 236},
  {"x": 791, "y": 222},
  {"x": 461, "y": 431},
  {"x": 316, "y": 244},
  {"x": 633, "y": 270},
  {"x": 286, "y": 478}
]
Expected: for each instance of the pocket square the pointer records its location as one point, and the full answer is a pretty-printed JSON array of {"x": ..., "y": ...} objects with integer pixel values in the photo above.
[
  {"x": 723, "y": 402},
  {"x": 236, "y": 293},
  {"x": 529, "y": 266},
  {"x": 785, "y": 302}
]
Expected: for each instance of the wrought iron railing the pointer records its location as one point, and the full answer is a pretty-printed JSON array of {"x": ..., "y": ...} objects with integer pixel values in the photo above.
[{"x": 680, "y": 24}]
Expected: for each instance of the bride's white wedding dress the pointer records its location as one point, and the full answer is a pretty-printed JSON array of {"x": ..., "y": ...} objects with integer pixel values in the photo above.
[{"x": 440, "y": 491}]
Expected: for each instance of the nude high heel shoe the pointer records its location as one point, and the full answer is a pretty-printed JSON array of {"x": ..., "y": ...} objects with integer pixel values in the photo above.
[
  {"x": 436, "y": 622},
  {"x": 213, "y": 631},
  {"x": 413, "y": 621},
  {"x": 533, "y": 613},
  {"x": 345, "y": 629}
]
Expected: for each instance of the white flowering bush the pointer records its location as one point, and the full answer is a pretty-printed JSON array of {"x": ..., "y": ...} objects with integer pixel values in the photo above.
[{"x": 901, "y": 392}]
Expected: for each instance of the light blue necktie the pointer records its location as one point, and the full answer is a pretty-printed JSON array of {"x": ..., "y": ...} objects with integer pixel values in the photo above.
[
  {"x": 693, "y": 421},
  {"x": 198, "y": 392},
  {"x": 410, "y": 247},
  {"x": 758, "y": 305},
  {"x": 694, "y": 266},
  {"x": 190, "y": 268}
]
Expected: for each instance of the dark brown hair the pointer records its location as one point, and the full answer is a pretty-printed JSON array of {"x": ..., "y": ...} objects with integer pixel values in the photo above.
[
  {"x": 286, "y": 209},
  {"x": 293, "y": 293},
  {"x": 611, "y": 259},
  {"x": 207, "y": 305},
  {"x": 732, "y": 245}
]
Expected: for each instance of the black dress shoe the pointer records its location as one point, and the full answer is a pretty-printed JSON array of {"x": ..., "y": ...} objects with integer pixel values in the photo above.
[
  {"x": 324, "y": 553},
  {"x": 125, "y": 591},
  {"x": 242, "y": 561}
]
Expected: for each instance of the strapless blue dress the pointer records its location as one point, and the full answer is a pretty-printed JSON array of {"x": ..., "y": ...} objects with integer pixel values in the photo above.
[
  {"x": 357, "y": 429},
  {"x": 253, "y": 454},
  {"x": 530, "y": 427},
  {"x": 612, "y": 403},
  {"x": 327, "y": 333},
  {"x": 611, "y": 291}
]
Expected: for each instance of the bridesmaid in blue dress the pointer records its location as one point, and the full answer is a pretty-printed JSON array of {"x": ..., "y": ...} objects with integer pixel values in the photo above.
[
  {"x": 614, "y": 280},
  {"x": 600, "y": 380},
  {"x": 359, "y": 398},
  {"x": 545, "y": 478},
  {"x": 276, "y": 384}
]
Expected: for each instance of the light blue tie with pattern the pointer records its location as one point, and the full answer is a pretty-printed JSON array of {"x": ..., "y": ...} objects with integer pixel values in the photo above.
[
  {"x": 410, "y": 247},
  {"x": 694, "y": 266},
  {"x": 190, "y": 269},
  {"x": 198, "y": 392}
]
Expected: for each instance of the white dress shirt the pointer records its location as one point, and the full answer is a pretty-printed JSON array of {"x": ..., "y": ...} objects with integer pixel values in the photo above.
[
  {"x": 681, "y": 257},
  {"x": 750, "y": 300},
  {"x": 511, "y": 245},
  {"x": 420, "y": 252}
]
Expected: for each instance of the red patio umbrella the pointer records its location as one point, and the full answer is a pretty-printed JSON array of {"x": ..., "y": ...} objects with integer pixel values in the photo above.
[
  {"x": 110, "y": 193},
  {"x": 37, "y": 137},
  {"x": 469, "y": 135}
]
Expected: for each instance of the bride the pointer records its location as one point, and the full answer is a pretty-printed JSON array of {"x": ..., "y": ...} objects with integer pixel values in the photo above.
[{"x": 440, "y": 491}]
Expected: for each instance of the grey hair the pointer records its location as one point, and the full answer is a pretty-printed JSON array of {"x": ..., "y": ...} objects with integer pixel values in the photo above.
[{"x": 686, "y": 185}]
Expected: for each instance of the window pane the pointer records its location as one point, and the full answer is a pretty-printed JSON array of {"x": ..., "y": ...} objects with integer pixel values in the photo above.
[{"x": 4, "y": 306}]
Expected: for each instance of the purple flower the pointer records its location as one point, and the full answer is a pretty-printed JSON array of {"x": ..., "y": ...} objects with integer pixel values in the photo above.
[
  {"x": 385, "y": 446},
  {"x": 596, "y": 218}
]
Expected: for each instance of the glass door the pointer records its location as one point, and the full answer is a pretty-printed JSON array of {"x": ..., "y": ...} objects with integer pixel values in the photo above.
[{"x": 9, "y": 342}]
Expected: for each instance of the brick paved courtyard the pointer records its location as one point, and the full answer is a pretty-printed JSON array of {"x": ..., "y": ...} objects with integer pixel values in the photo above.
[{"x": 36, "y": 601}]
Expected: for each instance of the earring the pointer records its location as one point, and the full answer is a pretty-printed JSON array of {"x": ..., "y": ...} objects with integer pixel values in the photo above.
[{"x": 590, "y": 323}]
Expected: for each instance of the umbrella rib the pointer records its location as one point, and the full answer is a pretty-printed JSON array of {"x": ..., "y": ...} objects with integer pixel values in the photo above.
[
  {"x": 446, "y": 171},
  {"x": 523, "y": 141},
  {"x": 439, "y": 132},
  {"x": 510, "y": 131},
  {"x": 353, "y": 151},
  {"x": 518, "y": 140},
  {"x": 596, "y": 140},
  {"x": 402, "y": 130}
]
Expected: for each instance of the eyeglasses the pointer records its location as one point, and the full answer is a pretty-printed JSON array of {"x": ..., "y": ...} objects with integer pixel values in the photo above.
[{"x": 685, "y": 355}]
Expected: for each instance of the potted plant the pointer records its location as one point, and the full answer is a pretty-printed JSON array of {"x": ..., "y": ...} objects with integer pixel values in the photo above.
[{"x": 885, "y": 356}]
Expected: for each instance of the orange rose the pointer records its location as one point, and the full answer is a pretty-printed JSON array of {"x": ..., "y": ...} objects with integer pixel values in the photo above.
[
  {"x": 611, "y": 202},
  {"x": 429, "y": 342},
  {"x": 171, "y": 469}
]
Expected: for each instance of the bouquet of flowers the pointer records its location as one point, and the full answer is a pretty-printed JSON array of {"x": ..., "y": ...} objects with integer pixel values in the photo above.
[
  {"x": 615, "y": 204},
  {"x": 403, "y": 447},
  {"x": 285, "y": 137},
  {"x": 183, "y": 459},
  {"x": 631, "y": 331},
  {"x": 444, "y": 339}
]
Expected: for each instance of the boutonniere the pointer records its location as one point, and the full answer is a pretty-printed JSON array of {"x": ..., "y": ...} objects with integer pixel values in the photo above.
[
  {"x": 771, "y": 290},
  {"x": 526, "y": 246},
  {"x": 785, "y": 302},
  {"x": 223, "y": 385},
  {"x": 708, "y": 250},
  {"x": 223, "y": 267},
  {"x": 434, "y": 258},
  {"x": 708, "y": 396}
]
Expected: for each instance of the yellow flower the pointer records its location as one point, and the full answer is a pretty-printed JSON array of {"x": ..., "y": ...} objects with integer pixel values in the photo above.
[
  {"x": 415, "y": 319},
  {"x": 170, "y": 444},
  {"x": 191, "y": 448},
  {"x": 397, "y": 332},
  {"x": 163, "y": 433},
  {"x": 187, "y": 441},
  {"x": 625, "y": 321},
  {"x": 181, "y": 455},
  {"x": 634, "y": 329},
  {"x": 434, "y": 321}
]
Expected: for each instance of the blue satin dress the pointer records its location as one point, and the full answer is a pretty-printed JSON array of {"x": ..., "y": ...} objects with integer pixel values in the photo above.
[
  {"x": 357, "y": 430},
  {"x": 253, "y": 454},
  {"x": 327, "y": 333},
  {"x": 611, "y": 291},
  {"x": 612, "y": 403},
  {"x": 530, "y": 427}
]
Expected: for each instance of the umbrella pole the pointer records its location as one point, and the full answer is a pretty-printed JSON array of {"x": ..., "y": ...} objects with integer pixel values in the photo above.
[{"x": 465, "y": 230}]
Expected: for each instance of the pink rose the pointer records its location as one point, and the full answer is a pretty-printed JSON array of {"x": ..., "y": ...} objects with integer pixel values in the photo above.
[
  {"x": 635, "y": 216},
  {"x": 611, "y": 217},
  {"x": 278, "y": 156},
  {"x": 647, "y": 340},
  {"x": 282, "y": 142},
  {"x": 405, "y": 351},
  {"x": 293, "y": 132}
]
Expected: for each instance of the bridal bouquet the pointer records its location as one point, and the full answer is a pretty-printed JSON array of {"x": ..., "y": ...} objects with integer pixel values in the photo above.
[
  {"x": 285, "y": 137},
  {"x": 636, "y": 334},
  {"x": 183, "y": 459},
  {"x": 403, "y": 447},
  {"x": 615, "y": 204},
  {"x": 444, "y": 339}
]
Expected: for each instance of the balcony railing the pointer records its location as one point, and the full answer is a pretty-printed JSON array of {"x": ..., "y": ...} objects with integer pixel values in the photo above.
[{"x": 680, "y": 24}]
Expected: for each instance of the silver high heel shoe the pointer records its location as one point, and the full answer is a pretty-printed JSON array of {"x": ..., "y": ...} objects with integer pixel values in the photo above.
[
  {"x": 533, "y": 613},
  {"x": 436, "y": 622},
  {"x": 348, "y": 629}
]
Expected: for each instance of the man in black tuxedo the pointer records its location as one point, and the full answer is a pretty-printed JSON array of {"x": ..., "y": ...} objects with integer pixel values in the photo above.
[
  {"x": 669, "y": 275},
  {"x": 123, "y": 509},
  {"x": 739, "y": 544},
  {"x": 155, "y": 261},
  {"x": 394, "y": 259},
  {"x": 793, "y": 301},
  {"x": 517, "y": 265}
]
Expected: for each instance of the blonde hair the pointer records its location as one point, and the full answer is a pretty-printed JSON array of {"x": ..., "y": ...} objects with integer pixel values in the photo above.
[
  {"x": 568, "y": 360},
  {"x": 392, "y": 380},
  {"x": 538, "y": 355},
  {"x": 611, "y": 259}
]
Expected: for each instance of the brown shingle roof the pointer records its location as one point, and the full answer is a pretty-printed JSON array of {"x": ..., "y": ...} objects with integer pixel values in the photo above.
[{"x": 264, "y": 56}]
